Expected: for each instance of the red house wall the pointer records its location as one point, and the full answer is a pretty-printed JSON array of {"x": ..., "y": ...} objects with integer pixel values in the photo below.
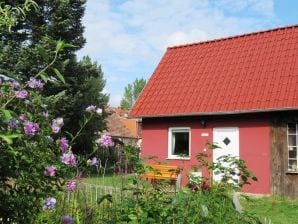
[{"x": 254, "y": 142}]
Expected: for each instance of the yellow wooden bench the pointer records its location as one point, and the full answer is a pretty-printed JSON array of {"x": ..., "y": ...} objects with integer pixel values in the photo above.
[{"x": 163, "y": 172}]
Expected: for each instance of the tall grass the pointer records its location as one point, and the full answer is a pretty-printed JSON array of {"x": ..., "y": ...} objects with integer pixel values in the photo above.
[{"x": 274, "y": 209}]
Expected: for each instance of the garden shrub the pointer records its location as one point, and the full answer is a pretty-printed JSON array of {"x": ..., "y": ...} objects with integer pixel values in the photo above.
[{"x": 35, "y": 155}]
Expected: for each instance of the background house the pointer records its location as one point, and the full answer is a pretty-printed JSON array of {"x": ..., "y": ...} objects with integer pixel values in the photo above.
[
  {"x": 241, "y": 92},
  {"x": 127, "y": 131}
]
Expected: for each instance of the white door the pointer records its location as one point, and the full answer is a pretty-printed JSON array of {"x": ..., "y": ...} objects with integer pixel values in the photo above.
[{"x": 228, "y": 141}]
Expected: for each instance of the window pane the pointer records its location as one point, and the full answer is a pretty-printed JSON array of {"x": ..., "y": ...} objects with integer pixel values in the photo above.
[
  {"x": 292, "y": 140},
  {"x": 293, "y": 165},
  {"x": 292, "y": 152},
  {"x": 181, "y": 143},
  {"x": 292, "y": 128}
]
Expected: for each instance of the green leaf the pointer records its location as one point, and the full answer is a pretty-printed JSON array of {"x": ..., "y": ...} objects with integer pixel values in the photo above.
[
  {"x": 132, "y": 217},
  {"x": 9, "y": 137},
  {"x": 66, "y": 62},
  {"x": 59, "y": 75},
  {"x": 44, "y": 77},
  {"x": 69, "y": 46},
  {"x": 7, "y": 115},
  {"x": 43, "y": 53},
  {"x": 60, "y": 45},
  {"x": 70, "y": 135}
]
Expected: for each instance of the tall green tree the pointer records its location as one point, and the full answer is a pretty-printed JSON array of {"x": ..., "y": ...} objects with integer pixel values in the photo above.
[
  {"x": 131, "y": 93},
  {"x": 85, "y": 89},
  {"x": 24, "y": 50}
]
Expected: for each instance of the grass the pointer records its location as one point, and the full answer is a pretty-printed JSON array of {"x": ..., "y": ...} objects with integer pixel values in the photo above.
[
  {"x": 278, "y": 210},
  {"x": 108, "y": 180}
]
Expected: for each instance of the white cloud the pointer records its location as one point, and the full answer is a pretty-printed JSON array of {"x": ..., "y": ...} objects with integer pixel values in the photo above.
[
  {"x": 115, "y": 100},
  {"x": 132, "y": 35},
  {"x": 180, "y": 37}
]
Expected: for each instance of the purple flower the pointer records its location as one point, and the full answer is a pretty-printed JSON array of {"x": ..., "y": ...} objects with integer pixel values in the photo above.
[
  {"x": 35, "y": 84},
  {"x": 55, "y": 129},
  {"x": 79, "y": 175},
  {"x": 71, "y": 186},
  {"x": 23, "y": 94},
  {"x": 23, "y": 117},
  {"x": 50, "y": 171},
  {"x": 63, "y": 144},
  {"x": 13, "y": 123},
  {"x": 91, "y": 108},
  {"x": 66, "y": 219},
  {"x": 31, "y": 128},
  {"x": 57, "y": 124},
  {"x": 49, "y": 203},
  {"x": 15, "y": 85},
  {"x": 69, "y": 158},
  {"x": 106, "y": 141},
  {"x": 94, "y": 161}
]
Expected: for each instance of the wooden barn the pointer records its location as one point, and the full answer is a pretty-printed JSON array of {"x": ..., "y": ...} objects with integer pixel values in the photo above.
[{"x": 241, "y": 92}]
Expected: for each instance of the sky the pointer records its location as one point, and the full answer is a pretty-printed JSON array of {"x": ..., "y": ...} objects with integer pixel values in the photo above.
[{"x": 127, "y": 38}]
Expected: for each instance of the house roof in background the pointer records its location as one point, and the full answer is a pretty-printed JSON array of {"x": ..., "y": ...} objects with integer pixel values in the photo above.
[
  {"x": 247, "y": 73},
  {"x": 118, "y": 125}
]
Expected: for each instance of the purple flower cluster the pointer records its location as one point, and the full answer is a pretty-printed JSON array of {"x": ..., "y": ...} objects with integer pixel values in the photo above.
[
  {"x": 15, "y": 85},
  {"x": 50, "y": 171},
  {"x": 106, "y": 141},
  {"x": 36, "y": 84},
  {"x": 57, "y": 124},
  {"x": 13, "y": 123},
  {"x": 69, "y": 158},
  {"x": 91, "y": 108},
  {"x": 23, "y": 94},
  {"x": 63, "y": 143},
  {"x": 94, "y": 161},
  {"x": 49, "y": 203},
  {"x": 71, "y": 186},
  {"x": 31, "y": 128},
  {"x": 66, "y": 219},
  {"x": 94, "y": 109}
]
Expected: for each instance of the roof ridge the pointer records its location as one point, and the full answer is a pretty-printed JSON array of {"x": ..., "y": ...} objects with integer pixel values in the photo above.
[{"x": 234, "y": 36}]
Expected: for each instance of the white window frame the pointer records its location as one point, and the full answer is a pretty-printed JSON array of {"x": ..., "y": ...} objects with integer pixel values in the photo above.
[
  {"x": 290, "y": 147},
  {"x": 170, "y": 150}
]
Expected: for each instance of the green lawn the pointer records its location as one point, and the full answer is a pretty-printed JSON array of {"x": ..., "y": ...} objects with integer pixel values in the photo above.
[
  {"x": 108, "y": 180},
  {"x": 277, "y": 209}
]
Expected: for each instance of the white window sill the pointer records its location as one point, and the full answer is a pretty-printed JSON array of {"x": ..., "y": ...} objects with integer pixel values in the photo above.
[{"x": 178, "y": 158}]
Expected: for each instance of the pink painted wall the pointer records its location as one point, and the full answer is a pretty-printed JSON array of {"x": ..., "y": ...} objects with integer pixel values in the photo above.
[{"x": 254, "y": 141}]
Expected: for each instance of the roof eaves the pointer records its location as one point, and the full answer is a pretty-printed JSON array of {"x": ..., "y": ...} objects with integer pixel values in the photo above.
[{"x": 217, "y": 113}]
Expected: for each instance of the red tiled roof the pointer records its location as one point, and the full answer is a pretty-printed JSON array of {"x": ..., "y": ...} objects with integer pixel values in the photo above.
[{"x": 247, "y": 73}]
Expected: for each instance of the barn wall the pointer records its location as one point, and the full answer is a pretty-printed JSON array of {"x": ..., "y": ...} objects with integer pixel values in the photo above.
[
  {"x": 254, "y": 134},
  {"x": 282, "y": 182}
]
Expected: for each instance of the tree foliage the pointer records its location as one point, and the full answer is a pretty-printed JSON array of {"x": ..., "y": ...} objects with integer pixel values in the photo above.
[
  {"x": 27, "y": 47},
  {"x": 131, "y": 93}
]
